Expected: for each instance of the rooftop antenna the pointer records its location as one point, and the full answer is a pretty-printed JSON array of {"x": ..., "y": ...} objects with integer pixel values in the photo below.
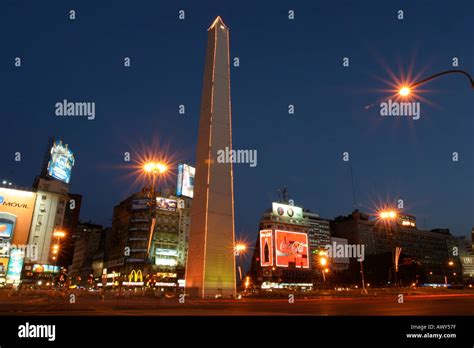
[{"x": 283, "y": 194}]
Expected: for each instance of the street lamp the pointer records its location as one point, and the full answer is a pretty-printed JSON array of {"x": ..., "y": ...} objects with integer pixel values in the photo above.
[
  {"x": 406, "y": 90},
  {"x": 323, "y": 261},
  {"x": 58, "y": 235},
  {"x": 153, "y": 168},
  {"x": 389, "y": 215},
  {"x": 450, "y": 264},
  {"x": 239, "y": 250}
]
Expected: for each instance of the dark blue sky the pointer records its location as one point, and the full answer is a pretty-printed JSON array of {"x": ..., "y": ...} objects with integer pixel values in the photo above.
[{"x": 281, "y": 62}]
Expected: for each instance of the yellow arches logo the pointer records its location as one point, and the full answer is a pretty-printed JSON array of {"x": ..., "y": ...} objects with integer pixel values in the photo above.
[{"x": 135, "y": 276}]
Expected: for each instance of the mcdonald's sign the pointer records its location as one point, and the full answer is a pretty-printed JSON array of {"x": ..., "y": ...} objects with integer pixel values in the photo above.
[{"x": 134, "y": 278}]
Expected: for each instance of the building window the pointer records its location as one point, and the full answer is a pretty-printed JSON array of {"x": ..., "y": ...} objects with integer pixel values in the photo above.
[{"x": 43, "y": 197}]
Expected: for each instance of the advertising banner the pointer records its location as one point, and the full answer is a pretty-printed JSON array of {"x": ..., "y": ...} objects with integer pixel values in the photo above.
[
  {"x": 266, "y": 248},
  {"x": 15, "y": 266},
  {"x": 287, "y": 211},
  {"x": 16, "y": 212},
  {"x": 185, "y": 186},
  {"x": 166, "y": 204},
  {"x": 291, "y": 247},
  {"x": 61, "y": 162}
]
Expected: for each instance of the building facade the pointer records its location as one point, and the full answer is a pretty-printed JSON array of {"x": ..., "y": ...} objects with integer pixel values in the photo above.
[
  {"x": 282, "y": 252},
  {"x": 87, "y": 245},
  {"x": 431, "y": 250},
  {"x": 160, "y": 261}
]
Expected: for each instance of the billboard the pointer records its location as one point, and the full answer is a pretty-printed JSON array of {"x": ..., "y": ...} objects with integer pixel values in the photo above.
[
  {"x": 166, "y": 204},
  {"x": 6, "y": 228},
  {"x": 266, "y": 248},
  {"x": 15, "y": 266},
  {"x": 61, "y": 162},
  {"x": 291, "y": 247},
  {"x": 185, "y": 186},
  {"x": 16, "y": 213},
  {"x": 287, "y": 211},
  {"x": 40, "y": 268}
]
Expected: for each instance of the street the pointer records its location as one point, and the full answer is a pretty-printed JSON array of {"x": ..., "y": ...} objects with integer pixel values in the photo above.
[{"x": 386, "y": 305}]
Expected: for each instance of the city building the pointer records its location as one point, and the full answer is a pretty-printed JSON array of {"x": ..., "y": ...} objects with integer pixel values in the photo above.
[
  {"x": 427, "y": 253},
  {"x": 70, "y": 223},
  {"x": 282, "y": 252},
  {"x": 33, "y": 221},
  {"x": 128, "y": 242},
  {"x": 16, "y": 212},
  {"x": 318, "y": 235},
  {"x": 48, "y": 217},
  {"x": 466, "y": 257},
  {"x": 87, "y": 245}
]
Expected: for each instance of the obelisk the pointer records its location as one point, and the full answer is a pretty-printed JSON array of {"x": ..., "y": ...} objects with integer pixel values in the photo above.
[{"x": 210, "y": 268}]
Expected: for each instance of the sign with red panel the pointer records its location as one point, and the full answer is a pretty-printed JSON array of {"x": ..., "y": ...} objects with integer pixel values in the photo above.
[
  {"x": 291, "y": 247},
  {"x": 266, "y": 248}
]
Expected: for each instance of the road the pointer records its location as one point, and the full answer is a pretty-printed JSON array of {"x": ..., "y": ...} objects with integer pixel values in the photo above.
[{"x": 413, "y": 305}]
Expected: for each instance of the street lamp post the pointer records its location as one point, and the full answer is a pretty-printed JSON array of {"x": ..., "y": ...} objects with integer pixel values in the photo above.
[
  {"x": 57, "y": 235},
  {"x": 364, "y": 290},
  {"x": 323, "y": 261},
  {"x": 389, "y": 215},
  {"x": 153, "y": 168},
  {"x": 450, "y": 264},
  {"x": 406, "y": 90},
  {"x": 239, "y": 250}
]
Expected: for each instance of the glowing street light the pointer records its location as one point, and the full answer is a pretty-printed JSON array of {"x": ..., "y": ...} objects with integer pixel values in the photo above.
[
  {"x": 323, "y": 261},
  {"x": 240, "y": 248},
  {"x": 155, "y": 167},
  {"x": 388, "y": 214},
  {"x": 451, "y": 263},
  {"x": 59, "y": 234},
  {"x": 406, "y": 90}
]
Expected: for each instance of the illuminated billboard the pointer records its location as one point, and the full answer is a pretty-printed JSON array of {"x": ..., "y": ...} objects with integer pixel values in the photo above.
[
  {"x": 15, "y": 266},
  {"x": 166, "y": 204},
  {"x": 287, "y": 211},
  {"x": 39, "y": 268},
  {"x": 291, "y": 247},
  {"x": 3, "y": 264},
  {"x": 266, "y": 248},
  {"x": 6, "y": 228},
  {"x": 61, "y": 162},
  {"x": 185, "y": 186},
  {"x": 406, "y": 220},
  {"x": 16, "y": 213}
]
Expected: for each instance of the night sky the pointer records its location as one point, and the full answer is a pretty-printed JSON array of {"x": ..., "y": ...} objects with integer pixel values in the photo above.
[{"x": 282, "y": 62}]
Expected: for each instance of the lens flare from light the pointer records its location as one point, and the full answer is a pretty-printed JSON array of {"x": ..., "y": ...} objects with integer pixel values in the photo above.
[{"x": 404, "y": 91}]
